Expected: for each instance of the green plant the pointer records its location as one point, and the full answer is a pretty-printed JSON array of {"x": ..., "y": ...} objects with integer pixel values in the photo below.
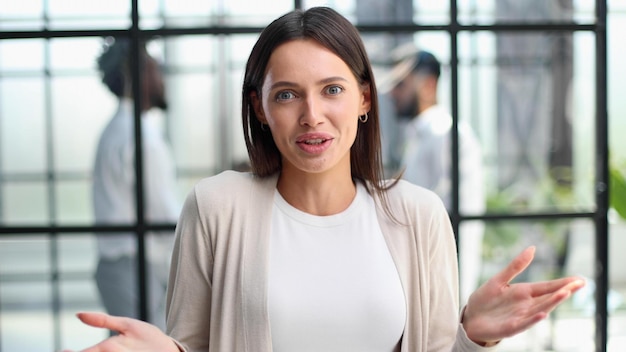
[
  {"x": 618, "y": 188},
  {"x": 504, "y": 238}
]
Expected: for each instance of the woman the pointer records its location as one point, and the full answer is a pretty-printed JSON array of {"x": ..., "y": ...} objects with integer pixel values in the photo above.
[{"x": 312, "y": 251}]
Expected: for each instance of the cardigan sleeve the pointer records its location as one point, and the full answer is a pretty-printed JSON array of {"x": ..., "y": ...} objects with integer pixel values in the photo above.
[
  {"x": 444, "y": 294},
  {"x": 189, "y": 291},
  {"x": 443, "y": 308}
]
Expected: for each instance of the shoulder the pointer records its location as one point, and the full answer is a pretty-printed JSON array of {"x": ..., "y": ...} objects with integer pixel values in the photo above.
[
  {"x": 407, "y": 192},
  {"x": 410, "y": 202},
  {"x": 228, "y": 179},
  {"x": 229, "y": 186},
  {"x": 228, "y": 202}
]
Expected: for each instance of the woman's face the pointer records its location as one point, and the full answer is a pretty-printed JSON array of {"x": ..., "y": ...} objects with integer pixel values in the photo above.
[{"x": 311, "y": 102}]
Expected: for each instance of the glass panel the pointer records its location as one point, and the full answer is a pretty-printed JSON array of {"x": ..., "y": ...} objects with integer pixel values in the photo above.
[
  {"x": 25, "y": 14},
  {"x": 77, "y": 263},
  {"x": 477, "y": 91},
  {"x": 431, "y": 12},
  {"x": 22, "y": 125},
  {"x": 347, "y": 7},
  {"x": 77, "y": 254},
  {"x": 159, "y": 254},
  {"x": 192, "y": 105},
  {"x": 503, "y": 11},
  {"x": 529, "y": 96},
  {"x": 74, "y": 204},
  {"x": 194, "y": 101},
  {"x": 239, "y": 47},
  {"x": 24, "y": 203},
  {"x": 178, "y": 50},
  {"x": 74, "y": 54},
  {"x": 563, "y": 248},
  {"x": 18, "y": 55},
  {"x": 24, "y": 305},
  {"x": 188, "y": 13},
  {"x": 617, "y": 284},
  {"x": 79, "y": 296},
  {"x": 24, "y": 255},
  {"x": 239, "y": 159},
  {"x": 252, "y": 12},
  {"x": 25, "y": 293},
  {"x": 421, "y": 12},
  {"x": 64, "y": 14},
  {"x": 470, "y": 248},
  {"x": 81, "y": 109}
]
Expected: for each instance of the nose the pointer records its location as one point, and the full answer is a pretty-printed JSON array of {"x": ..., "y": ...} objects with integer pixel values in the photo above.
[{"x": 311, "y": 114}]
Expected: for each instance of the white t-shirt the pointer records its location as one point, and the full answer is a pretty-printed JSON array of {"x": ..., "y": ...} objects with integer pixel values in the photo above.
[{"x": 333, "y": 285}]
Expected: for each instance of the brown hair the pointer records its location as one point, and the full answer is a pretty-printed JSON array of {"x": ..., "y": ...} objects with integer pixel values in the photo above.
[{"x": 336, "y": 33}]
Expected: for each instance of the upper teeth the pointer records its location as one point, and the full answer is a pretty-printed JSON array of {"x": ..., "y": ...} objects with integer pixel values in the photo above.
[{"x": 314, "y": 141}]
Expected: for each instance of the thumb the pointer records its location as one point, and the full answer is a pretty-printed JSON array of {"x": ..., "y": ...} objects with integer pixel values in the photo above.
[
  {"x": 515, "y": 267},
  {"x": 103, "y": 320}
]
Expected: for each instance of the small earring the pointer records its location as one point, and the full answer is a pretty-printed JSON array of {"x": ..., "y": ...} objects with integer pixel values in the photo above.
[
  {"x": 263, "y": 127},
  {"x": 363, "y": 118}
]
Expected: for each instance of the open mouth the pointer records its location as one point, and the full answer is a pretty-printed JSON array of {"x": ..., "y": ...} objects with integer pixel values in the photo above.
[{"x": 314, "y": 141}]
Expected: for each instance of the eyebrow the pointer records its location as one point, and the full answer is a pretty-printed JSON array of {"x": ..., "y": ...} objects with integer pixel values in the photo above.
[{"x": 292, "y": 84}]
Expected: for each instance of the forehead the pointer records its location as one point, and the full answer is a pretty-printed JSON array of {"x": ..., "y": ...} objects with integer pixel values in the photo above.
[{"x": 305, "y": 57}]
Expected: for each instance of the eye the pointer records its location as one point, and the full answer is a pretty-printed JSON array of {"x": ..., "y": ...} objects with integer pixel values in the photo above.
[
  {"x": 334, "y": 90},
  {"x": 285, "y": 95}
]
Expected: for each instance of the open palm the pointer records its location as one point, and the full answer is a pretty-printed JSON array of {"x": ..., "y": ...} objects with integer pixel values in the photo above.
[
  {"x": 499, "y": 309},
  {"x": 134, "y": 335}
]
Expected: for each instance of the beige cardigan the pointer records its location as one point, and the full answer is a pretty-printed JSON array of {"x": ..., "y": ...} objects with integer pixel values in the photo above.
[{"x": 217, "y": 296}]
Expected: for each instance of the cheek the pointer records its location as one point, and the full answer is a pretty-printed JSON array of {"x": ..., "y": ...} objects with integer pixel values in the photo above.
[
  {"x": 275, "y": 116},
  {"x": 347, "y": 113},
  {"x": 348, "y": 121}
]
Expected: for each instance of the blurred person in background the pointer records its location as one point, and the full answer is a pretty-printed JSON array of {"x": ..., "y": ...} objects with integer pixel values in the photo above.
[
  {"x": 114, "y": 186},
  {"x": 426, "y": 150}
]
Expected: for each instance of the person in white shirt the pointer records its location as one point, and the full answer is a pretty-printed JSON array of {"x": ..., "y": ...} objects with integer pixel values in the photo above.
[
  {"x": 114, "y": 188},
  {"x": 313, "y": 250},
  {"x": 426, "y": 151}
]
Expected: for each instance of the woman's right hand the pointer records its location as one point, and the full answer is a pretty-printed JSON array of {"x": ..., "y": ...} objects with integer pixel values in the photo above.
[{"x": 134, "y": 335}]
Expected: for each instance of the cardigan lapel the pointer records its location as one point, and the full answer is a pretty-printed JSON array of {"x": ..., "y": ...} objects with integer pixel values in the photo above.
[{"x": 255, "y": 263}]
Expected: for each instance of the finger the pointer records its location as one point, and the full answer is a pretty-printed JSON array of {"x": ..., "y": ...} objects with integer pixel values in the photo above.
[
  {"x": 547, "y": 287},
  {"x": 550, "y": 301},
  {"x": 515, "y": 267},
  {"x": 102, "y": 320}
]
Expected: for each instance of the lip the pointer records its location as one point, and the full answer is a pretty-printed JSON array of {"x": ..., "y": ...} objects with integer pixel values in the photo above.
[{"x": 314, "y": 143}]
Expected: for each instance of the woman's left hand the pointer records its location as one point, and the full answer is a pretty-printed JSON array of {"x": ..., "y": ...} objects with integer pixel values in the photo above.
[{"x": 499, "y": 309}]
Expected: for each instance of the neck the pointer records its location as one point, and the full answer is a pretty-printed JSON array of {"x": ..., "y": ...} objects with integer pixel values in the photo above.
[
  {"x": 425, "y": 105},
  {"x": 317, "y": 194}
]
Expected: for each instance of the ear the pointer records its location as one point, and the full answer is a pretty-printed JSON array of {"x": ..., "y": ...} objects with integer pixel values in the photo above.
[
  {"x": 431, "y": 82},
  {"x": 258, "y": 107},
  {"x": 428, "y": 89},
  {"x": 366, "y": 99}
]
